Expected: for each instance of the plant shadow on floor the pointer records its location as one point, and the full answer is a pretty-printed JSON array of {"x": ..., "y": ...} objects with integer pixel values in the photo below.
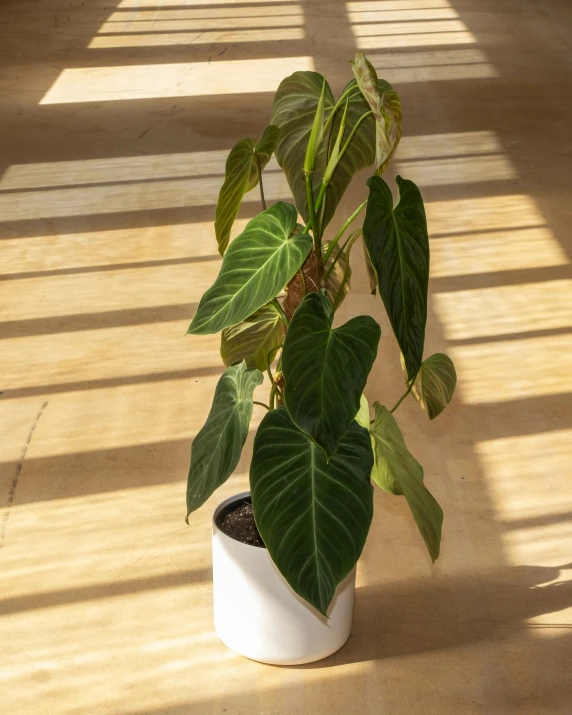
[{"x": 423, "y": 615}]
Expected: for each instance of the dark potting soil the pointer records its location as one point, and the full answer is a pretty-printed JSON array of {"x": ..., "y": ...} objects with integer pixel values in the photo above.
[{"x": 239, "y": 524}]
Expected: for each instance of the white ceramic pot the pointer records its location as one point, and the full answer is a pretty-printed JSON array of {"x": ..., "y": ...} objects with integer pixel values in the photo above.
[{"x": 258, "y": 615}]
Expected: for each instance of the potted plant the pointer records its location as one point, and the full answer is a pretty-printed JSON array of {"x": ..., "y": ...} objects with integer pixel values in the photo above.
[{"x": 284, "y": 555}]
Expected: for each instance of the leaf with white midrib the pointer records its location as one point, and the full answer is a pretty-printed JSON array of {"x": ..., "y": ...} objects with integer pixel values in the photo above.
[
  {"x": 255, "y": 268},
  {"x": 326, "y": 369},
  {"x": 312, "y": 514}
]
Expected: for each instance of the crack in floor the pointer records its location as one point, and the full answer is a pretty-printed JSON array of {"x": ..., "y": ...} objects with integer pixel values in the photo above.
[{"x": 17, "y": 472}]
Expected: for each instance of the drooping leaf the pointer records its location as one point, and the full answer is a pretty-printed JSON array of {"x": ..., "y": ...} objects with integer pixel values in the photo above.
[
  {"x": 255, "y": 268},
  {"x": 386, "y": 108},
  {"x": 398, "y": 246},
  {"x": 294, "y": 109},
  {"x": 216, "y": 449},
  {"x": 242, "y": 173},
  {"x": 362, "y": 417},
  {"x": 326, "y": 369},
  {"x": 255, "y": 340},
  {"x": 336, "y": 276},
  {"x": 313, "y": 514},
  {"x": 397, "y": 471},
  {"x": 435, "y": 384}
]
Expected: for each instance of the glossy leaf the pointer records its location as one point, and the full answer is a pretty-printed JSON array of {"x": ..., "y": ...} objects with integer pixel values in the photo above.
[
  {"x": 435, "y": 384},
  {"x": 255, "y": 340},
  {"x": 397, "y": 471},
  {"x": 313, "y": 514},
  {"x": 398, "y": 245},
  {"x": 242, "y": 173},
  {"x": 294, "y": 109},
  {"x": 255, "y": 268},
  {"x": 326, "y": 369},
  {"x": 386, "y": 108},
  {"x": 216, "y": 449}
]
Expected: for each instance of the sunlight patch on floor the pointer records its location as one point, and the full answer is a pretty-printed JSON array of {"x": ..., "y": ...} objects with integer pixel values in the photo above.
[
  {"x": 184, "y": 79},
  {"x": 119, "y": 184},
  {"x": 495, "y": 372},
  {"x": 504, "y": 310}
]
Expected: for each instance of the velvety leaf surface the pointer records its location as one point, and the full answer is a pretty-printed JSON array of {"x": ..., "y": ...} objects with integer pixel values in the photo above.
[
  {"x": 326, "y": 369},
  {"x": 435, "y": 384},
  {"x": 255, "y": 340},
  {"x": 293, "y": 110},
  {"x": 255, "y": 268},
  {"x": 397, "y": 471},
  {"x": 242, "y": 173},
  {"x": 313, "y": 515},
  {"x": 398, "y": 246},
  {"x": 386, "y": 107},
  {"x": 216, "y": 449}
]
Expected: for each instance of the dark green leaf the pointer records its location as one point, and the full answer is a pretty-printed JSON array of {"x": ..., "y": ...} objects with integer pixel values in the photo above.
[
  {"x": 313, "y": 514},
  {"x": 435, "y": 384},
  {"x": 243, "y": 166},
  {"x": 398, "y": 245},
  {"x": 326, "y": 370},
  {"x": 398, "y": 472},
  {"x": 217, "y": 447},
  {"x": 255, "y": 340},
  {"x": 256, "y": 267},
  {"x": 294, "y": 108}
]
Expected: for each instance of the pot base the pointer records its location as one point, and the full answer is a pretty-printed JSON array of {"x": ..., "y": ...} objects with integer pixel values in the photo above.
[{"x": 259, "y": 616}]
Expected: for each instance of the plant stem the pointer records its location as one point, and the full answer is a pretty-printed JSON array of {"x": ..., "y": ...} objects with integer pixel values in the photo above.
[
  {"x": 350, "y": 242},
  {"x": 352, "y": 133},
  {"x": 312, "y": 210},
  {"x": 272, "y": 396},
  {"x": 280, "y": 311},
  {"x": 337, "y": 105},
  {"x": 254, "y": 402},
  {"x": 342, "y": 230},
  {"x": 260, "y": 182},
  {"x": 404, "y": 395},
  {"x": 339, "y": 294}
]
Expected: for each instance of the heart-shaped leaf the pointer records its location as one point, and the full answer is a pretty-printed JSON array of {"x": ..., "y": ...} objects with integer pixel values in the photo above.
[
  {"x": 435, "y": 384},
  {"x": 255, "y": 340},
  {"x": 294, "y": 109},
  {"x": 216, "y": 449},
  {"x": 313, "y": 514},
  {"x": 243, "y": 167},
  {"x": 326, "y": 369},
  {"x": 386, "y": 108},
  {"x": 397, "y": 471},
  {"x": 398, "y": 246},
  {"x": 255, "y": 268}
]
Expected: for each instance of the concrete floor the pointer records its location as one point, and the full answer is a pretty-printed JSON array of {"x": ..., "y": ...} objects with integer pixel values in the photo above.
[{"x": 115, "y": 122}]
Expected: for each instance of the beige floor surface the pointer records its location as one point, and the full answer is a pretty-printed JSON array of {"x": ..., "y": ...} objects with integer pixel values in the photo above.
[{"x": 115, "y": 120}]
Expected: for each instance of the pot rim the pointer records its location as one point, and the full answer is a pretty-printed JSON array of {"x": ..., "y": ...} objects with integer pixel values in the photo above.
[{"x": 223, "y": 505}]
